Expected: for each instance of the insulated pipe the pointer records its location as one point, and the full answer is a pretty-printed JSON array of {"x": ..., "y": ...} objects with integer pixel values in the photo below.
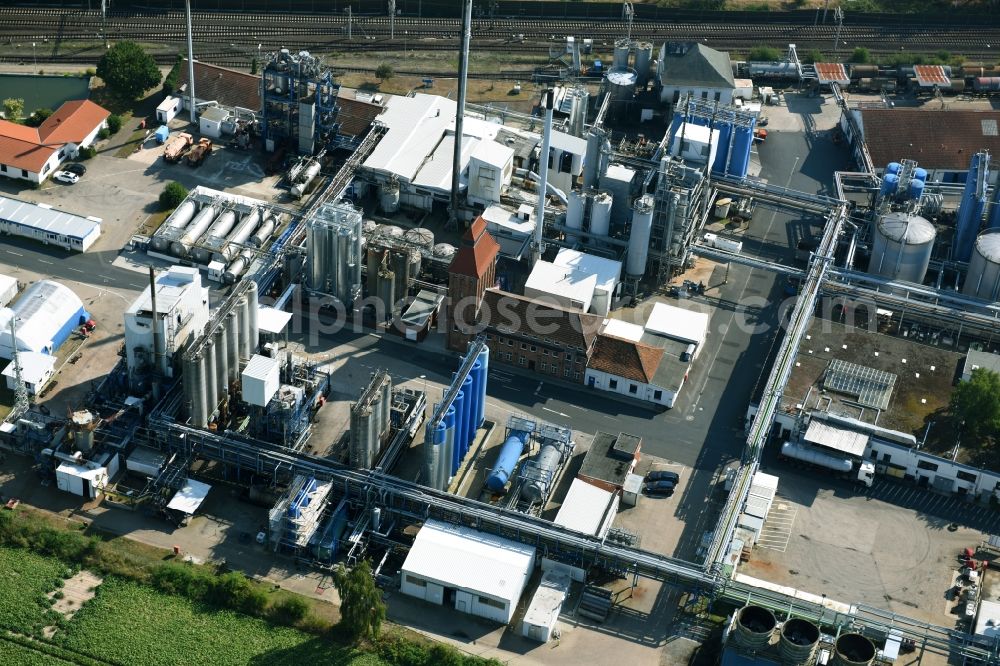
[
  {"x": 552, "y": 189},
  {"x": 543, "y": 169}
]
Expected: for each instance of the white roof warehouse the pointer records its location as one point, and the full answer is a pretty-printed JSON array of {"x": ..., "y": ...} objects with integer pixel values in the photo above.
[{"x": 44, "y": 223}]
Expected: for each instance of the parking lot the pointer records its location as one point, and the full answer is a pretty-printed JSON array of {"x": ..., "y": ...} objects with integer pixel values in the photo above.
[{"x": 895, "y": 548}]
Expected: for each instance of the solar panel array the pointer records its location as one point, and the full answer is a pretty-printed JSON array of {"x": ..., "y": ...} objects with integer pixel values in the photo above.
[{"x": 871, "y": 387}]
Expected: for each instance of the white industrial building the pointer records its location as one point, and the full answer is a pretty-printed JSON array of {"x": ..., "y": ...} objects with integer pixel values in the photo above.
[
  {"x": 45, "y": 224},
  {"x": 168, "y": 109},
  {"x": 8, "y": 290},
  {"x": 45, "y": 315},
  {"x": 681, "y": 324},
  {"x": 210, "y": 121},
  {"x": 84, "y": 478},
  {"x": 607, "y": 271},
  {"x": 543, "y": 612},
  {"x": 260, "y": 380},
  {"x": 695, "y": 144},
  {"x": 477, "y": 573},
  {"x": 415, "y": 154},
  {"x": 182, "y": 312},
  {"x": 36, "y": 371},
  {"x": 512, "y": 229},
  {"x": 576, "y": 281},
  {"x": 697, "y": 70},
  {"x": 587, "y": 509}
]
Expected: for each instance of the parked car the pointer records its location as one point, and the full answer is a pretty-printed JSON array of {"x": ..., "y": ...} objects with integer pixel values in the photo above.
[
  {"x": 659, "y": 489},
  {"x": 66, "y": 177},
  {"x": 75, "y": 167},
  {"x": 663, "y": 475}
]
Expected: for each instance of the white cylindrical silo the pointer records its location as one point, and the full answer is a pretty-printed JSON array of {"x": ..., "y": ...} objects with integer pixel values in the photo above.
[
  {"x": 389, "y": 197},
  {"x": 387, "y": 404},
  {"x": 983, "y": 279},
  {"x": 622, "y": 48},
  {"x": 233, "y": 345},
  {"x": 221, "y": 362},
  {"x": 600, "y": 213},
  {"x": 243, "y": 314},
  {"x": 211, "y": 387},
  {"x": 638, "y": 240},
  {"x": 199, "y": 416},
  {"x": 902, "y": 247},
  {"x": 252, "y": 305},
  {"x": 575, "y": 207}
]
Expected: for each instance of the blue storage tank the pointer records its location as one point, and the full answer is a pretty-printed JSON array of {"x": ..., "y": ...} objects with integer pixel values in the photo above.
[
  {"x": 725, "y": 133},
  {"x": 970, "y": 210},
  {"x": 484, "y": 359},
  {"x": 510, "y": 453},
  {"x": 478, "y": 378},
  {"x": 460, "y": 433},
  {"x": 890, "y": 182},
  {"x": 920, "y": 174},
  {"x": 916, "y": 188},
  {"x": 894, "y": 167},
  {"x": 471, "y": 401},
  {"x": 739, "y": 164},
  {"x": 448, "y": 443},
  {"x": 443, "y": 456}
]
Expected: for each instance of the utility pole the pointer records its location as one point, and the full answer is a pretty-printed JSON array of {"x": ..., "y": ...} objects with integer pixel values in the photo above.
[
  {"x": 838, "y": 16},
  {"x": 392, "y": 19},
  {"x": 348, "y": 23},
  {"x": 191, "y": 97},
  {"x": 463, "y": 74}
]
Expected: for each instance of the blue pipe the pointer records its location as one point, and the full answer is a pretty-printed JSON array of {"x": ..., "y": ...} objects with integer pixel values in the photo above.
[{"x": 484, "y": 359}]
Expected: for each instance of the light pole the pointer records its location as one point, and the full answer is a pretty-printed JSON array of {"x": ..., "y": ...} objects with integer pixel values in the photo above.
[{"x": 33, "y": 56}]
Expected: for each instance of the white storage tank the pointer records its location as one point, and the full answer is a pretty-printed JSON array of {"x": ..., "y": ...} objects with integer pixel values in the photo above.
[
  {"x": 638, "y": 239},
  {"x": 622, "y": 48},
  {"x": 420, "y": 236},
  {"x": 575, "y": 206},
  {"x": 902, "y": 247},
  {"x": 621, "y": 86},
  {"x": 389, "y": 197},
  {"x": 983, "y": 279},
  {"x": 600, "y": 213},
  {"x": 643, "y": 62}
]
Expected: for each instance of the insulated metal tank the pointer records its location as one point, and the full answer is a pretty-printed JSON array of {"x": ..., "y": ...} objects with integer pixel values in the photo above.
[
  {"x": 447, "y": 453},
  {"x": 215, "y": 237},
  {"x": 902, "y": 247},
  {"x": 471, "y": 392},
  {"x": 239, "y": 237},
  {"x": 264, "y": 232},
  {"x": 920, "y": 174},
  {"x": 798, "y": 643},
  {"x": 361, "y": 438},
  {"x": 484, "y": 360},
  {"x": 444, "y": 251},
  {"x": 754, "y": 627},
  {"x": 853, "y": 650},
  {"x": 983, "y": 278},
  {"x": 389, "y": 230},
  {"x": 461, "y": 431},
  {"x": 310, "y": 172},
  {"x": 433, "y": 445},
  {"x": 221, "y": 361},
  {"x": 478, "y": 379},
  {"x": 211, "y": 388},
  {"x": 579, "y": 103},
  {"x": 420, "y": 237},
  {"x": 386, "y": 403},
  {"x": 592, "y": 158},
  {"x": 600, "y": 213},
  {"x": 233, "y": 345},
  {"x": 890, "y": 182},
  {"x": 178, "y": 220},
  {"x": 643, "y": 62},
  {"x": 510, "y": 453},
  {"x": 318, "y": 244},
  {"x": 451, "y": 441},
  {"x": 575, "y": 206},
  {"x": 238, "y": 267},
  {"x": 180, "y": 247},
  {"x": 252, "y": 305},
  {"x": 406, "y": 266},
  {"x": 622, "y": 48},
  {"x": 243, "y": 315},
  {"x": 638, "y": 239},
  {"x": 545, "y": 467},
  {"x": 199, "y": 415},
  {"x": 621, "y": 87},
  {"x": 385, "y": 289}
]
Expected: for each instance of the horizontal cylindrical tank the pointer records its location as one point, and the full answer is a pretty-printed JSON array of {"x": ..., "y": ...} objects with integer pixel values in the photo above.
[
  {"x": 983, "y": 279},
  {"x": 238, "y": 267},
  {"x": 890, "y": 182},
  {"x": 600, "y": 213},
  {"x": 986, "y": 83},
  {"x": 263, "y": 233},
  {"x": 202, "y": 221},
  {"x": 773, "y": 70},
  {"x": 853, "y": 650},
  {"x": 798, "y": 642},
  {"x": 546, "y": 465},
  {"x": 638, "y": 240},
  {"x": 420, "y": 237},
  {"x": 214, "y": 236},
  {"x": 239, "y": 237},
  {"x": 902, "y": 247},
  {"x": 858, "y": 71},
  {"x": 305, "y": 179},
  {"x": 510, "y": 453},
  {"x": 754, "y": 627},
  {"x": 180, "y": 218}
]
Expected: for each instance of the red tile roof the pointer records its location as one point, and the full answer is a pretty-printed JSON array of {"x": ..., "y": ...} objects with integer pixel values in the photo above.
[
  {"x": 477, "y": 251},
  {"x": 24, "y": 147},
  {"x": 936, "y": 139},
  {"x": 511, "y": 313},
  {"x": 834, "y": 72},
  {"x": 931, "y": 75},
  {"x": 226, "y": 86},
  {"x": 625, "y": 358}
]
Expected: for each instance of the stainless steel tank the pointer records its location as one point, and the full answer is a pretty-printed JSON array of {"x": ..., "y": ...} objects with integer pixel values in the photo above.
[
  {"x": 638, "y": 240},
  {"x": 221, "y": 361},
  {"x": 622, "y": 48},
  {"x": 233, "y": 345},
  {"x": 798, "y": 642},
  {"x": 600, "y": 213},
  {"x": 902, "y": 247},
  {"x": 243, "y": 313},
  {"x": 575, "y": 207},
  {"x": 983, "y": 278},
  {"x": 238, "y": 237},
  {"x": 853, "y": 650},
  {"x": 643, "y": 63},
  {"x": 180, "y": 247},
  {"x": 211, "y": 388},
  {"x": 215, "y": 237},
  {"x": 621, "y": 86},
  {"x": 252, "y": 304},
  {"x": 238, "y": 266},
  {"x": 264, "y": 232},
  {"x": 545, "y": 467},
  {"x": 177, "y": 221},
  {"x": 420, "y": 236}
]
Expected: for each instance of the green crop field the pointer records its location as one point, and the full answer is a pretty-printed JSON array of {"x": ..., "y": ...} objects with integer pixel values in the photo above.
[
  {"x": 26, "y": 579},
  {"x": 128, "y": 623},
  {"x": 18, "y": 655}
]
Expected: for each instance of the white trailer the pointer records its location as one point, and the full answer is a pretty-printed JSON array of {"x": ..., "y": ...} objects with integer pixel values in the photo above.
[
  {"x": 720, "y": 243},
  {"x": 8, "y": 290},
  {"x": 841, "y": 465}
]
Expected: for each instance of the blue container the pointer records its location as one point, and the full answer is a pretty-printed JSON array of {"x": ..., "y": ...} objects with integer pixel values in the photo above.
[
  {"x": 890, "y": 182},
  {"x": 724, "y": 131},
  {"x": 469, "y": 420},
  {"x": 920, "y": 174},
  {"x": 460, "y": 435},
  {"x": 739, "y": 163},
  {"x": 478, "y": 378},
  {"x": 162, "y": 133},
  {"x": 484, "y": 358},
  {"x": 510, "y": 453},
  {"x": 916, "y": 188},
  {"x": 893, "y": 167}
]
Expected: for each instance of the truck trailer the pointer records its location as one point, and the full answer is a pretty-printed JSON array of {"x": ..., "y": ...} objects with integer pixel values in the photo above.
[{"x": 860, "y": 471}]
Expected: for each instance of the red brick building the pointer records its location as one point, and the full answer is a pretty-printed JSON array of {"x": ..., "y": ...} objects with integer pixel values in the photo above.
[{"x": 471, "y": 272}]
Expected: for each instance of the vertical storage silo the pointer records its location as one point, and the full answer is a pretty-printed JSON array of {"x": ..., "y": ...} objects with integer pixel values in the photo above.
[
  {"x": 316, "y": 239},
  {"x": 600, "y": 213},
  {"x": 754, "y": 627},
  {"x": 433, "y": 445},
  {"x": 484, "y": 359},
  {"x": 188, "y": 379},
  {"x": 579, "y": 104},
  {"x": 199, "y": 418},
  {"x": 575, "y": 206},
  {"x": 386, "y": 401},
  {"x": 211, "y": 388},
  {"x": 983, "y": 278},
  {"x": 893, "y": 168},
  {"x": 638, "y": 239},
  {"x": 902, "y": 247},
  {"x": 471, "y": 398},
  {"x": 622, "y": 48},
  {"x": 972, "y": 207},
  {"x": 890, "y": 182},
  {"x": 739, "y": 162},
  {"x": 233, "y": 344},
  {"x": 643, "y": 62},
  {"x": 798, "y": 643},
  {"x": 460, "y": 432},
  {"x": 451, "y": 438},
  {"x": 592, "y": 158},
  {"x": 221, "y": 362},
  {"x": 246, "y": 344},
  {"x": 478, "y": 379},
  {"x": 853, "y": 650},
  {"x": 252, "y": 304},
  {"x": 389, "y": 196},
  {"x": 621, "y": 87}
]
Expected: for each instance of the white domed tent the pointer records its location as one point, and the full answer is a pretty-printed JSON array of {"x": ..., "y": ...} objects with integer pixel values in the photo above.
[{"x": 47, "y": 312}]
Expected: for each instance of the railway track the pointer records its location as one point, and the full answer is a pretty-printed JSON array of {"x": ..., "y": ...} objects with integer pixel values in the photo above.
[{"x": 50, "y": 29}]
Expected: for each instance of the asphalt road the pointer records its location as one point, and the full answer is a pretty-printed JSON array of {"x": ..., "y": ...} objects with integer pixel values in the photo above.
[{"x": 93, "y": 268}]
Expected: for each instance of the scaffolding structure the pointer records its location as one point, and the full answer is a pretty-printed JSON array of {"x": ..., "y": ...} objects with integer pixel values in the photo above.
[
  {"x": 680, "y": 210},
  {"x": 295, "y": 518},
  {"x": 300, "y": 102}
]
